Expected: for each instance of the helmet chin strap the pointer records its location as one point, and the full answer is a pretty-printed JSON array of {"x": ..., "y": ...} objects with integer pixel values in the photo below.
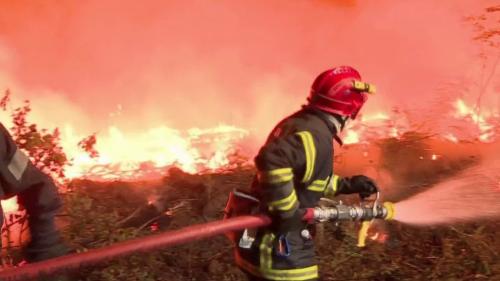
[
  {"x": 338, "y": 122},
  {"x": 346, "y": 121}
]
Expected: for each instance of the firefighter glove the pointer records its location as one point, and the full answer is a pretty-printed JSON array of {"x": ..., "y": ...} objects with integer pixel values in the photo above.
[{"x": 362, "y": 185}]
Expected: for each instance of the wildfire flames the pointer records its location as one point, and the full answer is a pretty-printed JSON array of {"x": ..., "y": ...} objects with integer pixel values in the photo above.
[
  {"x": 463, "y": 123},
  {"x": 133, "y": 156},
  {"x": 139, "y": 155}
]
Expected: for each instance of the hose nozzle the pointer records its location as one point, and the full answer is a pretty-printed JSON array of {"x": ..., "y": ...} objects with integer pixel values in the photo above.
[{"x": 357, "y": 213}]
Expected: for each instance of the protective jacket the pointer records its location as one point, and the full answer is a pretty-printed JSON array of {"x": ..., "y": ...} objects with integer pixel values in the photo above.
[
  {"x": 36, "y": 192},
  {"x": 294, "y": 170}
]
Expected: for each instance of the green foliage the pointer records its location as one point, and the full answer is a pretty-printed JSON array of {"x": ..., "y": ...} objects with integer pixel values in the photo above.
[{"x": 42, "y": 146}]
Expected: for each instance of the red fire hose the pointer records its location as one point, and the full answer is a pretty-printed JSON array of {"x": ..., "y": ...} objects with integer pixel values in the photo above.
[
  {"x": 187, "y": 234},
  {"x": 145, "y": 244}
]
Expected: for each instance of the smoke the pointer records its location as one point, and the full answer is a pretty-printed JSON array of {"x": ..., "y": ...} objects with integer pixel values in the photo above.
[
  {"x": 472, "y": 195},
  {"x": 246, "y": 63},
  {"x": 49, "y": 109}
]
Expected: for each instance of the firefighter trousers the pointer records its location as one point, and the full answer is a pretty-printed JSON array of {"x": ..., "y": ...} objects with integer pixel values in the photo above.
[{"x": 264, "y": 261}]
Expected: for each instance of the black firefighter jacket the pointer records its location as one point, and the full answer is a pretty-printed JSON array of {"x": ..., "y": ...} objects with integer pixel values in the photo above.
[
  {"x": 295, "y": 169},
  {"x": 35, "y": 190}
]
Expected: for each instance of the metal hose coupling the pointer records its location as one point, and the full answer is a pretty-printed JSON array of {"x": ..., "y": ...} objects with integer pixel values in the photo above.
[{"x": 355, "y": 213}]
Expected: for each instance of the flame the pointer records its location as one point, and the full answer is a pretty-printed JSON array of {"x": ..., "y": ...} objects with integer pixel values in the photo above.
[
  {"x": 133, "y": 155},
  {"x": 479, "y": 119},
  {"x": 465, "y": 117},
  {"x": 451, "y": 137},
  {"x": 360, "y": 132},
  {"x": 379, "y": 237},
  {"x": 351, "y": 137},
  {"x": 145, "y": 153},
  {"x": 136, "y": 155}
]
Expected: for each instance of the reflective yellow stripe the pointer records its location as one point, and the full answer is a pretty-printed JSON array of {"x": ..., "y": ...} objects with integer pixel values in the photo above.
[
  {"x": 297, "y": 274},
  {"x": 335, "y": 182},
  {"x": 276, "y": 176},
  {"x": 282, "y": 171},
  {"x": 290, "y": 204},
  {"x": 18, "y": 164},
  {"x": 310, "y": 150},
  {"x": 332, "y": 186},
  {"x": 317, "y": 185},
  {"x": 266, "y": 250},
  {"x": 300, "y": 274},
  {"x": 284, "y": 204}
]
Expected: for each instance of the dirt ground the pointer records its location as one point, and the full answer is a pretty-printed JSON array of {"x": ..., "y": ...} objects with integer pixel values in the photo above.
[
  {"x": 452, "y": 252},
  {"x": 468, "y": 251}
]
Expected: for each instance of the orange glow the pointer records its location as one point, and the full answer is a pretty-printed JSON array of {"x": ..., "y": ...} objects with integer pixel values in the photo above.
[
  {"x": 379, "y": 237},
  {"x": 157, "y": 64}
]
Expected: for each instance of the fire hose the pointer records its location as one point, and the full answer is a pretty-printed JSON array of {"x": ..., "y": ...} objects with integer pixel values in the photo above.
[{"x": 184, "y": 235}]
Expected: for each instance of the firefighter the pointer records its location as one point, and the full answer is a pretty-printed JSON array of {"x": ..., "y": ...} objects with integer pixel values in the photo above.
[
  {"x": 294, "y": 170},
  {"x": 37, "y": 193}
]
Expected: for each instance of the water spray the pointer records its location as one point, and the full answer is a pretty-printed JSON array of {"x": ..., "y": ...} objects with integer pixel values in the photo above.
[{"x": 470, "y": 196}]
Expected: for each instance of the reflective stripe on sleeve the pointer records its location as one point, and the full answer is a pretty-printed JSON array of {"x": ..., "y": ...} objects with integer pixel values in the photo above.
[
  {"x": 310, "y": 151},
  {"x": 18, "y": 164},
  {"x": 332, "y": 187},
  {"x": 317, "y": 185},
  {"x": 275, "y": 176},
  {"x": 284, "y": 204}
]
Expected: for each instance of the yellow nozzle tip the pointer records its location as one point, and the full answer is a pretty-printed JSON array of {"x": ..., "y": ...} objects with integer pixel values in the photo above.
[{"x": 391, "y": 212}]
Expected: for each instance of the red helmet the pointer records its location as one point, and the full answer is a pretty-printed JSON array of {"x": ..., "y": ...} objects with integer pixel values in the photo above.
[{"x": 340, "y": 91}]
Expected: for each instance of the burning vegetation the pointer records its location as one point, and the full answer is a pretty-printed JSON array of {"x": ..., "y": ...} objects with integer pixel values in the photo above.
[
  {"x": 441, "y": 170},
  {"x": 200, "y": 169}
]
